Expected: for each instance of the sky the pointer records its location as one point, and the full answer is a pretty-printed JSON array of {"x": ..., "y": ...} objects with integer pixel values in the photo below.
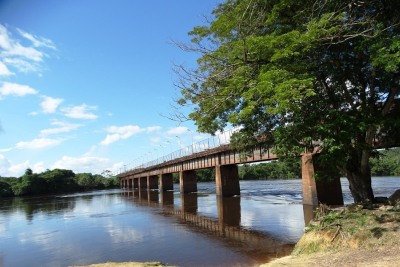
[{"x": 88, "y": 85}]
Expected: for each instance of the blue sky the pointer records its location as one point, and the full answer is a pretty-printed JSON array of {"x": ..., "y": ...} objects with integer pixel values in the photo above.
[{"x": 86, "y": 85}]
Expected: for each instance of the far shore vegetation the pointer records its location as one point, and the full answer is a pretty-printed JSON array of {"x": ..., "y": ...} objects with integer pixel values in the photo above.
[
  {"x": 385, "y": 163},
  {"x": 55, "y": 182}
]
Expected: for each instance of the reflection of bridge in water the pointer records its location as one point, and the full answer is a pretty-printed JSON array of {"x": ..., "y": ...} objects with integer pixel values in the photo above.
[{"x": 226, "y": 228}]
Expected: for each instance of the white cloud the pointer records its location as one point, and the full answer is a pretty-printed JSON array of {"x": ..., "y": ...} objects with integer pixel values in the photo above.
[
  {"x": 22, "y": 65},
  {"x": 25, "y": 58},
  {"x": 29, "y": 53},
  {"x": 4, "y": 71},
  {"x": 61, "y": 127},
  {"x": 83, "y": 164},
  {"x": 16, "y": 89},
  {"x": 177, "y": 130},
  {"x": 116, "y": 133},
  {"x": 50, "y": 104},
  {"x": 8, "y": 169},
  {"x": 80, "y": 112},
  {"x": 37, "y": 41},
  {"x": 4, "y": 38},
  {"x": 39, "y": 143},
  {"x": 153, "y": 129}
]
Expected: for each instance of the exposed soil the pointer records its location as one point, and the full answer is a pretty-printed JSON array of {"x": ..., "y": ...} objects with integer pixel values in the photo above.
[
  {"x": 353, "y": 236},
  {"x": 125, "y": 264}
]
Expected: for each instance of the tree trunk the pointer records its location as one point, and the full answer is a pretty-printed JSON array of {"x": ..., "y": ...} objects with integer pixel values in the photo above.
[{"x": 359, "y": 176}]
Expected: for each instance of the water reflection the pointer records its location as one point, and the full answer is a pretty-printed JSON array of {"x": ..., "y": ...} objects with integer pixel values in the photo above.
[
  {"x": 167, "y": 198},
  {"x": 229, "y": 210},
  {"x": 189, "y": 203},
  {"x": 34, "y": 206},
  {"x": 225, "y": 229}
]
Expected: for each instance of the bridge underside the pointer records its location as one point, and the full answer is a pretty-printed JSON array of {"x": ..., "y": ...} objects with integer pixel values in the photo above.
[{"x": 225, "y": 161}]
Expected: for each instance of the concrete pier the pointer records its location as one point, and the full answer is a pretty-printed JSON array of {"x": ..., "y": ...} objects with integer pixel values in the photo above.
[
  {"x": 187, "y": 180},
  {"x": 227, "y": 180}
]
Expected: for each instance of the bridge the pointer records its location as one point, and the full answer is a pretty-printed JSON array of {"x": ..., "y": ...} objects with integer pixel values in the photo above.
[{"x": 217, "y": 153}]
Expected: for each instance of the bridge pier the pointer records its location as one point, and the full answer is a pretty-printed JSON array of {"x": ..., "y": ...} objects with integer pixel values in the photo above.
[
  {"x": 135, "y": 183},
  {"x": 187, "y": 181},
  {"x": 166, "y": 182},
  {"x": 227, "y": 180},
  {"x": 167, "y": 198},
  {"x": 152, "y": 182},
  {"x": 321, "y": 190},
  {"x": 142, "y": 183}
]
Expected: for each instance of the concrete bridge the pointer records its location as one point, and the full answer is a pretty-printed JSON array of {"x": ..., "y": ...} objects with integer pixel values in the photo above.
[{"x": 223, "y": 159}]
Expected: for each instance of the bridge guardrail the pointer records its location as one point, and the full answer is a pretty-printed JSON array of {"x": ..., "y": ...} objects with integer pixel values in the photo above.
[{"x": 204, "y": 145}]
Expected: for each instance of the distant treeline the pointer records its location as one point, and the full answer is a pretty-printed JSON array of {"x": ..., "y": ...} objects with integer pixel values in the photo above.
[
  {"x": 53, "y": 182},
  {"x": 279, "y": 169},
  {"x": 385, "y": 163}
]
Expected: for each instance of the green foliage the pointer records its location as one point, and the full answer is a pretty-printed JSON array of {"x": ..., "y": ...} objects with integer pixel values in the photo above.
[
  {"x": 298, "y": 72},
  {"x": 53, "y": 182},
  {"x": 386, "y": 163},
  {"x": 5, "y": 189},
  {"x": 205, "y": 175},
  {"x": 279, "y": 169}
]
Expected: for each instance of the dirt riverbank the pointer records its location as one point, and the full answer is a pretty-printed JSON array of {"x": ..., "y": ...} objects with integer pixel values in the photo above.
[{"x": 351, "y": 236}]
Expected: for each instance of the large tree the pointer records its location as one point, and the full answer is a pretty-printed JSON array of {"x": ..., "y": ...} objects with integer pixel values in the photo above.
[{"x": 297, "y": 72}]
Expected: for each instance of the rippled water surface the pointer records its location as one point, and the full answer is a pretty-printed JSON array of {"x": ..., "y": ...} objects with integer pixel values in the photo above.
[{"x": 185, "y": 230}]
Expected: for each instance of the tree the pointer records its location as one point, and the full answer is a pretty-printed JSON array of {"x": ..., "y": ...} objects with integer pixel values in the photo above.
[
  {"x": 86, "y": 180},
  {"x": 295, "y": 72}
]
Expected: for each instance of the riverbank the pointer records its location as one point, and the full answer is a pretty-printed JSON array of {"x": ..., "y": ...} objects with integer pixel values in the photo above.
[{"x": 350, "y": 236}]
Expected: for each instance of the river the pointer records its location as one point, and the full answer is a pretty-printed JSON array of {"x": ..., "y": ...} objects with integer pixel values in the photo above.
[{"x": 184, "y": 230}]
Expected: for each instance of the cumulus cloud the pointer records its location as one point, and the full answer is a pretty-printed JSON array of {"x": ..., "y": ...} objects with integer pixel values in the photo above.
[
  {"x": 177, "y": 130},
  {"x": 4, "y": 71},
  {"x": 85, "y": 164},
  {"x": 16, "y": 89},
  {"x": 80, "y": 112},
  {"x": 116, "y": 133},
  {"x": 8, "y": 169},
  {"x": 24, "y": 52},
  {"x": 39, "y": 143},
  {"x": 50, "y": 104},
  {"x": 153, "y": 128},
  {"x": 61, "y": 127},
  {"x": 37, "y": 41}
]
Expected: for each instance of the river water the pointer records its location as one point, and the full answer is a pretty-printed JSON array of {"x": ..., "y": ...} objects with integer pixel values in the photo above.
[{"x": 184, "y": 230}]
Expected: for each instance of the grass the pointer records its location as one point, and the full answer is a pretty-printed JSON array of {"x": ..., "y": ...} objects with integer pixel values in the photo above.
[{"x": 350, "y": 227}]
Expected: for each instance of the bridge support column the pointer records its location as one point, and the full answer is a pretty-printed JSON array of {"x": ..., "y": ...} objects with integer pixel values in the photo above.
[
  {"x": 142, "y": 183},
  {"x": 135, "y": 183},
  {"x": 152, "y": 182},
  {"x": 227, "y": 180},
  {"x": 130, "y": 183},
  {"x": 317, "y": 189},
  {"x": 166, "y": 182},
  {"x": 187, "y": 181}
]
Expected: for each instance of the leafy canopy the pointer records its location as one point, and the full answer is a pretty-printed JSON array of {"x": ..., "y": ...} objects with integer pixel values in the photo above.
[{"x": 297, "y": 72}]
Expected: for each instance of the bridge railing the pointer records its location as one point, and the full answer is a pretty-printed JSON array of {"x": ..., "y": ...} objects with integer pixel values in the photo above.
[{"x": 217, "y": 140}]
